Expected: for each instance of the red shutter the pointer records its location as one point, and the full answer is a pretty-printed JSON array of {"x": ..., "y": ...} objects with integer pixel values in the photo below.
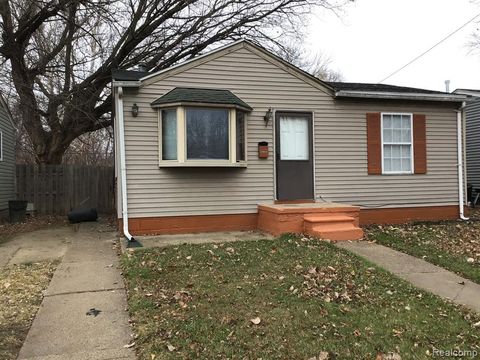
[
  {"x": 419, "y": 144},
  {"x": 374, "y": 143}
]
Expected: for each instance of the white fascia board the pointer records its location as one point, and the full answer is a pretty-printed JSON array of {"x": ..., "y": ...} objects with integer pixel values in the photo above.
[
  {"x": 118, "y": 83},
  {"x": 400, "y": 96}
]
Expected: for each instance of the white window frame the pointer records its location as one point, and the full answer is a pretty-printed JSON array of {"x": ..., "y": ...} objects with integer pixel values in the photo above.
[
  {"x": 182, "y": 160},
  {"x": 398, "y": 143},
  {"x": 1, "y": 145}
]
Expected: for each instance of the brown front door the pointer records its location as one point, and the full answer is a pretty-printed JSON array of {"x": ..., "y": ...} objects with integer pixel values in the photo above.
[{"x": 294, "y": 156}]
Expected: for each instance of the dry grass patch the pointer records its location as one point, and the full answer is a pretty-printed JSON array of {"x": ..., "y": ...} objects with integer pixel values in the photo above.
[{"x": 21, "y": 293}]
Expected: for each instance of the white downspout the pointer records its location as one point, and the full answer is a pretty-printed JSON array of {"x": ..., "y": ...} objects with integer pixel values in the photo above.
[
  {"x": 460, "y": 161},
  {"x": 123, "y": 167}
]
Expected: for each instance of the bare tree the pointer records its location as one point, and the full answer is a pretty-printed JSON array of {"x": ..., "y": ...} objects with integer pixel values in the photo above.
[
  {"x": 94, "y": 148},
  {"x": 59, "y": 54},
  {"x": 319, "y": 65}
]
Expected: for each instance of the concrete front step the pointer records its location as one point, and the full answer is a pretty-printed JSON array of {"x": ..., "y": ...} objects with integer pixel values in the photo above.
[
  {"x": 323, "y": 220},
  {"x": 327, "y": 218},
  {"x": 332, "y": 227}
]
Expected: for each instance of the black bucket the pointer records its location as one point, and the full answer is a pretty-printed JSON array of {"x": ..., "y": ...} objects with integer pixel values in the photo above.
[{"x": 17, "y": 210}]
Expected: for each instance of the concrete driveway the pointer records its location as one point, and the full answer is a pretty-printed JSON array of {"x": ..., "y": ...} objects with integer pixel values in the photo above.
[
  {"x": 35, "y": 246},
  {"x": 83, "y": 313}
]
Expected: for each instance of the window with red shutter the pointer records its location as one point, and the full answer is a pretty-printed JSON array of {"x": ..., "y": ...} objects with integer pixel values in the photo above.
[{"x": 396, "y": 143}]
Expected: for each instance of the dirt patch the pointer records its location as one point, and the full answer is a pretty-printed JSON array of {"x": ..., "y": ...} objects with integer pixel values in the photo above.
[
  {"x": 7, "y": 230},
  {"x": 21, "y": 293}
]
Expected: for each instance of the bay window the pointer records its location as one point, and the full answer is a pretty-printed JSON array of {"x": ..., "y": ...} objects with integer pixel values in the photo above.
[{"x": 202, "y": 136}]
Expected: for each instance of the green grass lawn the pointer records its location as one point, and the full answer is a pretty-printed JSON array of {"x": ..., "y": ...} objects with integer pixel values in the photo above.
[
  {"x": 289, "y": 298},
  {"x": 452, "y": 245}
]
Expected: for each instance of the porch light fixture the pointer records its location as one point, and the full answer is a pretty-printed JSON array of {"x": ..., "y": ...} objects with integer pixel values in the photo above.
[
  {"x": 268, "y": 116},
  {"x": 135, "y": 110}
]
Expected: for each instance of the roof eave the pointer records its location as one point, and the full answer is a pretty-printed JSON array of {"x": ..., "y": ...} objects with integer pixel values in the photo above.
[
  {"x": 399, "y": 96},
  {"x": 126, "y": 83},
  {"x": 203, "y": 104},
  {"x": 467, "y": 92}
]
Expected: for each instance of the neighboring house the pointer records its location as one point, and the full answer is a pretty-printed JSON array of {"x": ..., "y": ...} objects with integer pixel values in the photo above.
[
  {"x": 472, "y": 135},
  {"x": 7, "y": 158},
  {"x": 194, "y": 141}
]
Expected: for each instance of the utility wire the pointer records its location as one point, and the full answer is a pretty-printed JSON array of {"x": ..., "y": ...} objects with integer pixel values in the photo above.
[{"x": 430, "y": 49}]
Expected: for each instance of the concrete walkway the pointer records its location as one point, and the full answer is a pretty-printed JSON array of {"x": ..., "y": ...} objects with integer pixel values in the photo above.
[
  {"x": 88, "y": 278},
  {"x": 419, "y": 272}
]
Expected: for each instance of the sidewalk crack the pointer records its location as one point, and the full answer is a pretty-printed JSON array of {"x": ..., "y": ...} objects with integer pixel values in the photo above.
[{"x": 84, "y": 291}]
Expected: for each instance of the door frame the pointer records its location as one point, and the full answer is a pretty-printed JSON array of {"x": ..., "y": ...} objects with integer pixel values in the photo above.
[{"x": 299, "y": 111}]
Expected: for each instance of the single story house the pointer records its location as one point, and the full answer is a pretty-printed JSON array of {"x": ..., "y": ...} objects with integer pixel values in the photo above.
[
  {"x": 472, "y": 137},
  {"x": 239, "y": 139},
  {"x": 7, "y": 158}
]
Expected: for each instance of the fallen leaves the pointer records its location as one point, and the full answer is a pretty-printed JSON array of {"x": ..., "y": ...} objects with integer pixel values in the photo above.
[
  {"x": 389, "y": 356},
  {"x": 322, "y": 356},
  {"x": 259, "y": 299},
  {"x": 21, "y": 292},
  {"x": 30, "y": 224},
  {"x": 339, "y": 286},
  {"x": 460, "y": 239},
  {"x": 256, "y": 321}
]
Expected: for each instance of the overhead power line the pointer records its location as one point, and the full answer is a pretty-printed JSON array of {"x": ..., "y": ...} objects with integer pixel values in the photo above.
[{"x": 430, "y": 49}]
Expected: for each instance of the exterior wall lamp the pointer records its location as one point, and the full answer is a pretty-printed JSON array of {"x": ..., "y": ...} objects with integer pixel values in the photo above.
[
  {"x": 268, "y": 116},
  {"x": 135, "y": 110}
]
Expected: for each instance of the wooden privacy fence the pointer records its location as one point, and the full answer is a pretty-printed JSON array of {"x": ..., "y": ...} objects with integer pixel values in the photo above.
[{"x": 56, "y": 189}]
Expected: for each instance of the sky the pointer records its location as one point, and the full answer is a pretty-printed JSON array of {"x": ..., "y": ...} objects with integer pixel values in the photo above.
[{"x": 373, "y": 38}]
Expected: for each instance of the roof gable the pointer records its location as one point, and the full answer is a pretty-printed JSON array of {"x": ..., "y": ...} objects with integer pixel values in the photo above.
[{"x": 245, "y": 44}]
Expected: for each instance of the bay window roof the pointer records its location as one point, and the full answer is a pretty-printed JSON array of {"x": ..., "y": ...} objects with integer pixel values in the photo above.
[{"x": 181, "y": 96}]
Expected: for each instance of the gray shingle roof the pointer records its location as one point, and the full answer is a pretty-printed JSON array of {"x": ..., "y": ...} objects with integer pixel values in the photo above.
[
  {"x": 349, "y": 86},
  {"x": 197, "y": 95}
]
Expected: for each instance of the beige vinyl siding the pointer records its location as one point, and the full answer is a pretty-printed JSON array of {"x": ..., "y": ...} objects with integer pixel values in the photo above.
[
  {"x": 7, "y": 165},
  {"x": 341, "y": 158},
  {"x": 473, "y": 141},
  {"x": 340, "y": 146}
]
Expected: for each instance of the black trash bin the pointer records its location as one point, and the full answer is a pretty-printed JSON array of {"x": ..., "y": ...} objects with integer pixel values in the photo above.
[
  {"x": 17, "y": 210},
  {"x": 81, "y": 215}
]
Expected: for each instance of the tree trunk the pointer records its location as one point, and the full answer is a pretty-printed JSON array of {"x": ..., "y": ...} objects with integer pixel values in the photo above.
[{"x": 55, "y": 149}]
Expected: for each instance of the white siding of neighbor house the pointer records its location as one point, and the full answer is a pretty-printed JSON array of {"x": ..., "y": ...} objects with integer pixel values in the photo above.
[
  {"x": 472, "y": 112},
  {"x": 340, "y": 146},
  {"x": 7, "y": 164}
]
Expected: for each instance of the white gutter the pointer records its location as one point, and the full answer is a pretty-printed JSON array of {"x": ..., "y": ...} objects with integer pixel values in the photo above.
[
  {"x": 125, "y": 83},
  {"x": 123, "y": 166},
  {"x": 399, "y": 96},
  {"x": 460, "y": 162}
]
